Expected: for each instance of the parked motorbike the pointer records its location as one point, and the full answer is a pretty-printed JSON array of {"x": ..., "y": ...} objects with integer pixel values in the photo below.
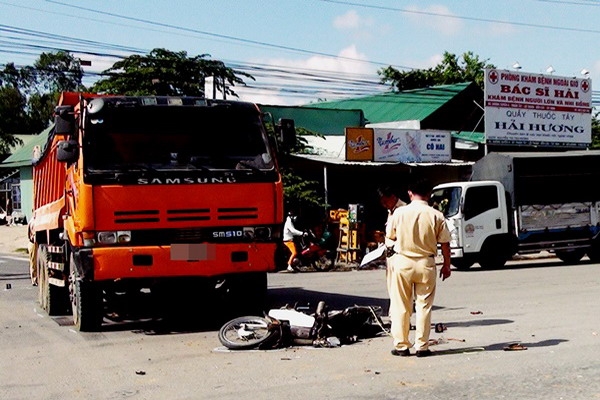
[
  {"x": 291, "y": 326},
  {"x": 313, "y": 254}
]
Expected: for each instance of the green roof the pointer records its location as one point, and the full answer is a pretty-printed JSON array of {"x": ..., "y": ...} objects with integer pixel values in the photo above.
[
  {"x": 323, "y": 121},
  {"x": 22, "y": 157},
  {"x": 477, "y": 137},
  {"x": 416, "y": 104}
]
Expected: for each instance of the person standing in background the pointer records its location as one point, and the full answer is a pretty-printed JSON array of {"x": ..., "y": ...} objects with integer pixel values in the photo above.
[
  {"x": 416, "y": 230},
  {"x": 289, "y": 232},
  {"x": 32, "y": 251},
  {"x": 390, "y": 201},
  {"x": 388, "y": 196}
]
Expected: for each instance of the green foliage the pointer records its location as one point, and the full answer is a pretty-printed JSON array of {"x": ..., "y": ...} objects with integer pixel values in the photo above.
[
  {"x": 56, "y": 72},
  {"x": 301, "y": 146},
  {"x": 595, "y": 131},
  {"x": 167, "y": 73},
  {"x": 300, "y": 194},
  {"x": 451, "y": 70},
  {"x": 11, "y": 114},
  {"x": 28, "y": 95}
]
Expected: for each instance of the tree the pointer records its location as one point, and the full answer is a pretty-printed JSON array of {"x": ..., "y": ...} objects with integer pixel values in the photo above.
[
  {"x": 449, "y": 71},
  {"x": 167, "y": 73},
  {"x": 11, "y": 115},
  {"x": 57, "y": 72},
  {"x": 28, "y": 95},
  {"x": 299, "y": 193},
  {"x": 595, "y": 131}
]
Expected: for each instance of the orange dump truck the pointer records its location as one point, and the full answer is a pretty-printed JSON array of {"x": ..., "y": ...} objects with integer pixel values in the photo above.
[{"x": 137, "y": 193}]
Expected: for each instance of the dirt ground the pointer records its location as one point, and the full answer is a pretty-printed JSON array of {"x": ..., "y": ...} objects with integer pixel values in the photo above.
[{"x": 13, "y": 239}]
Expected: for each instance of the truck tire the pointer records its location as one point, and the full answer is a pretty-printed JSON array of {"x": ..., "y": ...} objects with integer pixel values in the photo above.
[
  {"x": 86, "y": 302},
  {"x": 462, "y": 264},
  {"x": 491, "y": 256},
  {"x": 570, "y": 256},
  {"x": 492, "y": 261},
  {"x": 53, "y": 299},
  {"x": 496, "y": 251},
  {"x": 594, "y": 253}
]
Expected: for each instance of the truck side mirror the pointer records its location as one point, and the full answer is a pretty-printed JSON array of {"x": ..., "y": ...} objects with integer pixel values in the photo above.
[
  {"x": 64, "y": 120},
  {"x": 287, "y": 132},
  {"x": 67, "y": 151}
]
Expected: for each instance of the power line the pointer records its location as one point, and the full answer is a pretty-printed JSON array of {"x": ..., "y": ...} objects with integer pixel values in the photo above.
[
  {"x": 352, "y": 84},
  {"x": 233, "y": 38},
  {"x": 476, "y": 19}
]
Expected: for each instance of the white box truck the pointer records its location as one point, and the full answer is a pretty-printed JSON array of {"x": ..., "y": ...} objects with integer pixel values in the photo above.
[{"x": 519, "y": 203}]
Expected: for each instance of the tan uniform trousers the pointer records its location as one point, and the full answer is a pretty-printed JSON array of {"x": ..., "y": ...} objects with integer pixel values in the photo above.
[
  {"x": 33, "y": 272},
  {"x": 408, "y": 277}
]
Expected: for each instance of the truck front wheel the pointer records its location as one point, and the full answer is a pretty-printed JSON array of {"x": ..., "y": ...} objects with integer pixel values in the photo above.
[
  {"x": 594, "y": 253},
  {"x": 462, "y": 264},
  {"x": 570, "y": 256},
  {"x": 493, "y": 255},
  {"x": 86, "y": 302}
]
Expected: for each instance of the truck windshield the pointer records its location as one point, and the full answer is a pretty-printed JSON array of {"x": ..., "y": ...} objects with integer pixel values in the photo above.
[
  {"x": 446, "y": 200},
  {"x": 176, "y": 138}
]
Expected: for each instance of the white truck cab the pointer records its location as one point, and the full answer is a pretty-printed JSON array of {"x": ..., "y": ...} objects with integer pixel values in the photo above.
[{"x": 476, "y": 214}]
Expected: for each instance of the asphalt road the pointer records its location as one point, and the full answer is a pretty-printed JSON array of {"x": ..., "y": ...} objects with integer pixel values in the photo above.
[{"x": 548, "y": 307}]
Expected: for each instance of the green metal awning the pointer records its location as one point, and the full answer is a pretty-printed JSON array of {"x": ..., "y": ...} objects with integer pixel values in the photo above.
[{"x": 22, "y": 157}]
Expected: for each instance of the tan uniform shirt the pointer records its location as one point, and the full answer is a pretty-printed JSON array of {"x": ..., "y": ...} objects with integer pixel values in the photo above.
[
  {"x": 388, "y": 225},
  {"x": 417, "y": 229}
]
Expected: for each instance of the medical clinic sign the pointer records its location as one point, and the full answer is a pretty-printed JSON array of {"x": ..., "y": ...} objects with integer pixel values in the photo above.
[{"x": 533, "y": 109}]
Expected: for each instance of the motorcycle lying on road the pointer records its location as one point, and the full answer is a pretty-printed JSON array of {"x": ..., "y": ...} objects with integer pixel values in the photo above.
[
  {"x": 290, "y": 326},
  {"x": 313, "y": 254}
]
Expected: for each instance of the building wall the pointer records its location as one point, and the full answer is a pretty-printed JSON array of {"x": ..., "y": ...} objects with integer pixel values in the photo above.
[{"x": 26, "y": 176}]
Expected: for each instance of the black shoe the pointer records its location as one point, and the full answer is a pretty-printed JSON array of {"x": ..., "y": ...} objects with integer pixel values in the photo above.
[
  {"x": 401, "y": 353},
  {"x": 424, "y": 353}
]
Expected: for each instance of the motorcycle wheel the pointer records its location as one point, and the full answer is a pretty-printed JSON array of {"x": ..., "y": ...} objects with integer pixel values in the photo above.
[
  {"x": 299, "y": 266},
  {"x": 247, "y": 332},
  {"x": 325, "y": 262}
]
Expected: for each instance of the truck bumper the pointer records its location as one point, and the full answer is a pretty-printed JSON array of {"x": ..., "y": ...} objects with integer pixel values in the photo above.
[
  {"x": 456, "y": 253},
  {"x": 163, "y": 262}
]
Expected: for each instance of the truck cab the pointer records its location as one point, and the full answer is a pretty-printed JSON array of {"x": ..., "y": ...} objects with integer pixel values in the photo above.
[{"x": 478, "y": 219}]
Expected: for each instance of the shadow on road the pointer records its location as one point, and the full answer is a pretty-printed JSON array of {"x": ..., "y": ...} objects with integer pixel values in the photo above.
[
  {"x": 543, "y": 343},
  {"x": 279, "y": 297},
  {"x": 511, "y": 346},
  {"x": 6, "y": 276},
  {"x": 141, "y": 313},
  {"x": 480, "y": 322},
  {"x": 546, "y": 263}
]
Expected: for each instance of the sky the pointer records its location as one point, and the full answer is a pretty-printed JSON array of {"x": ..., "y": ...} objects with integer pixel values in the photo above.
[{"x": 303, "y": 51}]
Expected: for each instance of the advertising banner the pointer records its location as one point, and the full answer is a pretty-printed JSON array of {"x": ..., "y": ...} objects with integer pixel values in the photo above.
[
  {"x": 359, "y": 144},
  {"x": 532, "y": 109},
  {"x": 409, "y": 145}
]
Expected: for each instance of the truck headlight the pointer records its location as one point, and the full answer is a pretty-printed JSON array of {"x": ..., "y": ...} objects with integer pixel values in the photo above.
[
  {"x": 259, "y": 233},
  {"x": 114, "y": 237},
  {"x": 454, "y": 242}
]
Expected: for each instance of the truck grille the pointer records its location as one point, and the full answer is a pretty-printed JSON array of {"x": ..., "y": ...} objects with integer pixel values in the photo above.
[
  {"x": 185, "y": 215},
  {"x": 127, "y": 217}
]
